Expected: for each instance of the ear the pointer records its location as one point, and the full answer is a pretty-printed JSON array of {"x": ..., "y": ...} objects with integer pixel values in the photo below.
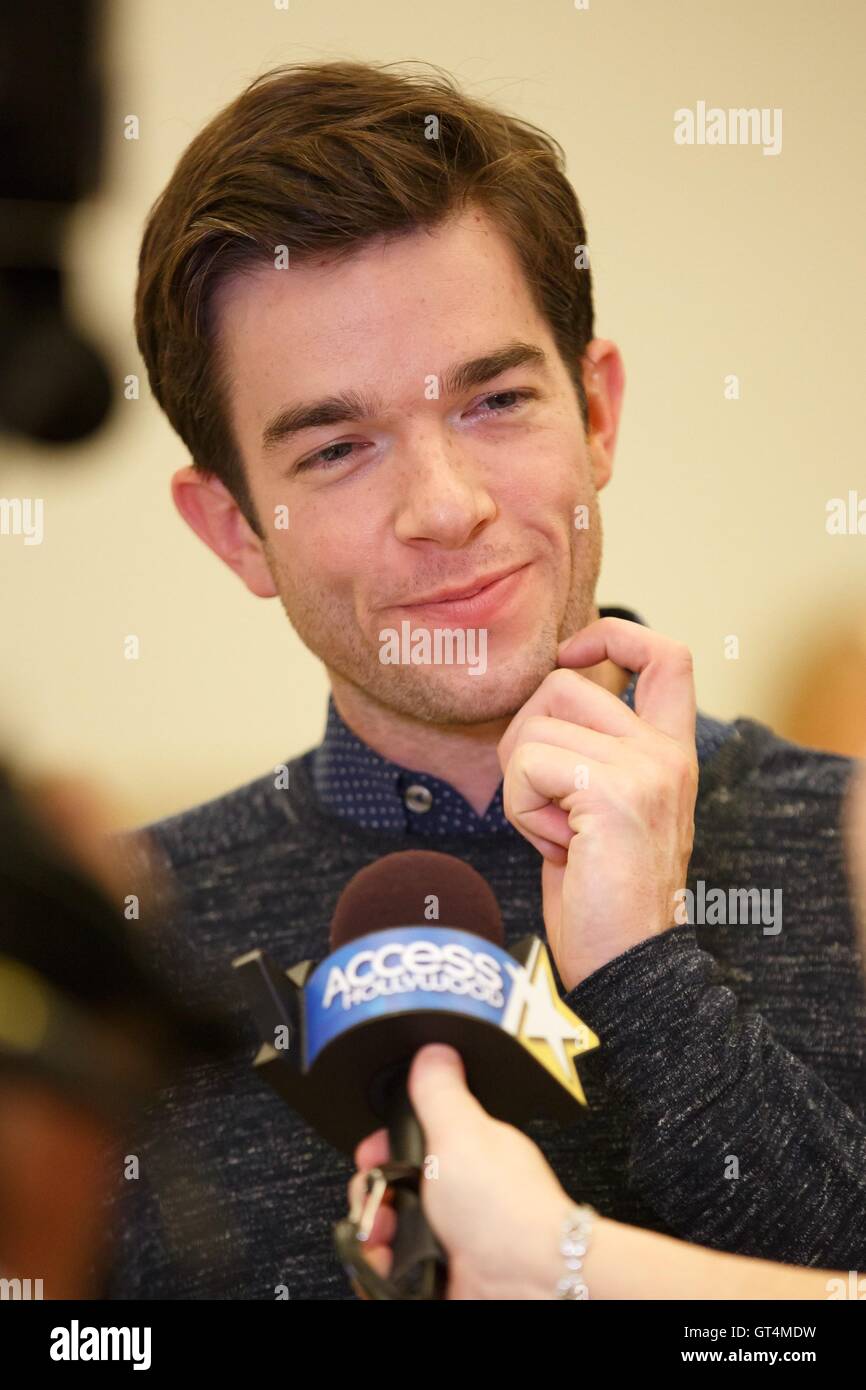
[
  {"x": 604, "y": 382},
  {"x": 208, "y": 507}
]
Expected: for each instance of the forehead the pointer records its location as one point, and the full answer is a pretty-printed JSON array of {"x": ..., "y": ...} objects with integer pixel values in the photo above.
[{"x": 396, "y": 310}]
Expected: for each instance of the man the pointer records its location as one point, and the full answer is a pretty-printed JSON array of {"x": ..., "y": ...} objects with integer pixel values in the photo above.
[{"x": 364, "y": 304}]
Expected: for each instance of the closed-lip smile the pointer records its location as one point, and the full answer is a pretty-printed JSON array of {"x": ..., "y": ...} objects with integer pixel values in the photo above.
[{"x": 469, "y": 590}]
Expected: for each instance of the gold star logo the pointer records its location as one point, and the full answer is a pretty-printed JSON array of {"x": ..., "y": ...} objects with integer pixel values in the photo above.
[{"x": 545, "y": 1026}]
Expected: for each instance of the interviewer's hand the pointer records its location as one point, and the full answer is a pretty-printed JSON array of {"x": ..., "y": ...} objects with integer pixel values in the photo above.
[
  {"x": 606, "y": 794},
  {"x": 494, "y": 1203},
  {"x": 498, "y": 1210}
]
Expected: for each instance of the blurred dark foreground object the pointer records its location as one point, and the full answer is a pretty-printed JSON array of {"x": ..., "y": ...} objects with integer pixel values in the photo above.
[
  {"x": 81, "y": 1006},
  {"x": 89, "y": 1036},
  {"x": 54, "y": 386}
]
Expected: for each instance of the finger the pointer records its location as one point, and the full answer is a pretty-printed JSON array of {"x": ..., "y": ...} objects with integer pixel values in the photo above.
[
  {"x": 562, "y": 733},
  {"x": 575, "y": 699},
  {"x": 381, "y": 1257},
  {"x": 439, "y": 1093},
  {"x": 373, "y": 1150},
  {"x": 547, "y": 831},
  {"x": 539, "y": 778},
  {"x": 665, "y": 692}
]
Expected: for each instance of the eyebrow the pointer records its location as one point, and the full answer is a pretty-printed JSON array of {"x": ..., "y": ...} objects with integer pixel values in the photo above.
[{"x": 352, "y": 405}]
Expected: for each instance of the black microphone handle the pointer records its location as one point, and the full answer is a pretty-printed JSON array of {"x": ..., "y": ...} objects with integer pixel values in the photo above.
[{"x": 419, "y": 1260}]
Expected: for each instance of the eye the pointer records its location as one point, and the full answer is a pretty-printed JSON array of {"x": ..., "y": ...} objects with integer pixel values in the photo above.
[
  {"x": 327, "y": 457},
  {"x": 501, "y": 402},
  {"x": 497, "y": 403}
]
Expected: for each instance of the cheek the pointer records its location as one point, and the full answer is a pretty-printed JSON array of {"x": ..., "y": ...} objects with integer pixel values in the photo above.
[
  {"x": 551, "y": 461},
  {"x": 328, "y": 546},
  {"x": 546, "y": 484}
]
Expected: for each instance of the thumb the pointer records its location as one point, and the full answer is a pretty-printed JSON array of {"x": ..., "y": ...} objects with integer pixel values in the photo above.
[{"x": 438, "y": 1091}]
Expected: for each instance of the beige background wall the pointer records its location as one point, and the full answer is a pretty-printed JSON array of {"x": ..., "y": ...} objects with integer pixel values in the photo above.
[{"x": 707, "y": 260}]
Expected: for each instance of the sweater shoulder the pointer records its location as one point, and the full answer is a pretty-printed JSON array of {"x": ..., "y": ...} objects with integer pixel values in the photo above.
[
  {"x": 756, "y": 762},
  {"x": 262, "y": 810}
]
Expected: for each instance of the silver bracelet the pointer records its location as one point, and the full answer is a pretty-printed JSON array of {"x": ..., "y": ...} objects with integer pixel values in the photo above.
[{"x": 573, "y": 1245}]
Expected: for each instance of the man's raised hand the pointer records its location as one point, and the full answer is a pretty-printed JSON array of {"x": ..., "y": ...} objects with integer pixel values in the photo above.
[{"x": 606, "y": 794}]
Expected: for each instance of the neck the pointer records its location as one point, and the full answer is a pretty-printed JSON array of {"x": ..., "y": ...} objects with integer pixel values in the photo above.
[{"x": 464, "y": 755}]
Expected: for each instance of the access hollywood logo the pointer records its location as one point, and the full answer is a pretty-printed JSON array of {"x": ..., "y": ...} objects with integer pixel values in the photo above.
[{"x": 401, "y": 967}]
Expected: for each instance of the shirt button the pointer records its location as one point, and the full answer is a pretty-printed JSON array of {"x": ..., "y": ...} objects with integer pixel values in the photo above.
[{"x": 418, "y": 798}]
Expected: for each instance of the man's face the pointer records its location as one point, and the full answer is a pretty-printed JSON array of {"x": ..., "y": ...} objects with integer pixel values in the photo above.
[{"x": 434, "y": 484}]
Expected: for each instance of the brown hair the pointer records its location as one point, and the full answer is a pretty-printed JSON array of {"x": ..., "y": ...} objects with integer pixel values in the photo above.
[{"x": 319, "y": 158}]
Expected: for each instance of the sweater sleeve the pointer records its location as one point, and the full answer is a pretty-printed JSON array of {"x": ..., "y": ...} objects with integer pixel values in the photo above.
[{"x": 735, "y": 1142}]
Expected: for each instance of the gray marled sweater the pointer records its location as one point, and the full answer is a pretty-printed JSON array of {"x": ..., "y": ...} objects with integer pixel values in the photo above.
[{"x": 727, "y": 1102}]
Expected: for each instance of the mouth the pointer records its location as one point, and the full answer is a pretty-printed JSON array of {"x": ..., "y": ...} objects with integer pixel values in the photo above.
[{"x": 478, "y": 599}]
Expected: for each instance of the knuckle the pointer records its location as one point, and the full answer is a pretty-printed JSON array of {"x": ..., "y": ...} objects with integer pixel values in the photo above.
[
  {"x": 683, "y": 771},
  {"x": 684, "y": 656},
  {"x": 560, "y": 680},
  {"x": 526, "y": 758}
]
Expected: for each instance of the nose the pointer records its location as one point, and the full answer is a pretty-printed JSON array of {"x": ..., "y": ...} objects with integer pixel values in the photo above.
[{"x": 443, "y": 496}]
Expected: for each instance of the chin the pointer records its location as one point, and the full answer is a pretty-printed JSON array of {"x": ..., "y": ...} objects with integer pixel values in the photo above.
[{"x": 457, "y": 697}]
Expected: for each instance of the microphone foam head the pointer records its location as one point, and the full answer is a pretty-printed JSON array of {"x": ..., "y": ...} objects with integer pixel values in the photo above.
[{"x": 395, "y": 892}]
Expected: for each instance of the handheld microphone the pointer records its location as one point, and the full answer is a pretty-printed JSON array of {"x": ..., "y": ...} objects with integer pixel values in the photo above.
[{"x": 417, "y": 956}]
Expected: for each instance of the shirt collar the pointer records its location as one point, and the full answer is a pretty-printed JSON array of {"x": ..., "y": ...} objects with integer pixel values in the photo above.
[{"x": 354, "y": 782}]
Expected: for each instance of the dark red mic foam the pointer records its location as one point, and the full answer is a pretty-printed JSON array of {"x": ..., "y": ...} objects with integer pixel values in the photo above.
[{"x": 393, "y": 892}]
